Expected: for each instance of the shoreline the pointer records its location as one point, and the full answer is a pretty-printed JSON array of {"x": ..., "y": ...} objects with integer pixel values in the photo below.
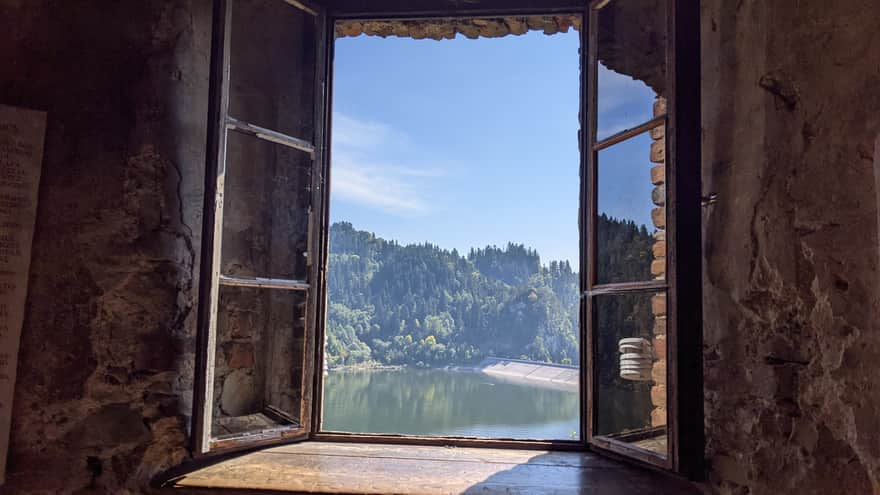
[
  {"x": 549, "y": 375},
  {"x": 365, "y": 367}
]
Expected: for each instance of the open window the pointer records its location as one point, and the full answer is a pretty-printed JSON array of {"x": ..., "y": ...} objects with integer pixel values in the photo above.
[
  {"x": 259, "y": 274},
  {"x": 265, "y": 238},
  {"x": 641, "y": 305}
]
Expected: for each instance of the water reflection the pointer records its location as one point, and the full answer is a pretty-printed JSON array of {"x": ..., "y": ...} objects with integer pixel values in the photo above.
[{"x": 447, "y": 403}]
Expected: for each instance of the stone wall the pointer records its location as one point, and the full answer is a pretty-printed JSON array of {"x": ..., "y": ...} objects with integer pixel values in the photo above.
[
  {"x": 439, "y": 29},
  {"x": 658, "y": 265},
  {"x": 791, "y": 112},
  {"x": 791, "y": 100},
  {"x": 105, "y": 371}
]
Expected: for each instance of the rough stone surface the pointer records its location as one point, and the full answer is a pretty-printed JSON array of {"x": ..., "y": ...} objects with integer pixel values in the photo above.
[
  {"x": 658, "y": 174},
  {"x": 658, "y": 216},
  {"x": 447, "y": 29},
  {"x": 239, "y": 396},
  {"x": 791, "y": 101},
  {"x": 240, "y": 356},
  {"x": 105, "y": 375}
]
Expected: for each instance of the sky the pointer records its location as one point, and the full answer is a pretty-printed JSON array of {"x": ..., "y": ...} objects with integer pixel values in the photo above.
[{"x": 468, "y": 143}]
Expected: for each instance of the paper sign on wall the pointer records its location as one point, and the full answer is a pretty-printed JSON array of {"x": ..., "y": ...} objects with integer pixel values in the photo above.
[{"x": 22, "y": 133}]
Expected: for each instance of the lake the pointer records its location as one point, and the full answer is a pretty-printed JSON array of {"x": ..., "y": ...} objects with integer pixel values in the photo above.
[{"x": 447, "y": 403}]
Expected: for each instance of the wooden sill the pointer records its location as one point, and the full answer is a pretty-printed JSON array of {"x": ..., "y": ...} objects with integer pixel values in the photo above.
[{"x": 354, "y": 468}]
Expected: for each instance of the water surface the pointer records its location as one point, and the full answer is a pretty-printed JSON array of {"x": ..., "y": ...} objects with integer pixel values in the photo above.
[{"x": 447, "y": 403}]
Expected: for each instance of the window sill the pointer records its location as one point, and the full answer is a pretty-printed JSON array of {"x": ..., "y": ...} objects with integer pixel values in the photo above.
[{"x": 356, "y": 468}]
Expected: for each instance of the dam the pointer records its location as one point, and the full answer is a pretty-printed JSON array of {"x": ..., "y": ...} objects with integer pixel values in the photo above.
[{"x": 533, "y": 372}]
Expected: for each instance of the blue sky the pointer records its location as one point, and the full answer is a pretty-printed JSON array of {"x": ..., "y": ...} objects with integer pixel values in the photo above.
[{"x": 467, "y": 143}]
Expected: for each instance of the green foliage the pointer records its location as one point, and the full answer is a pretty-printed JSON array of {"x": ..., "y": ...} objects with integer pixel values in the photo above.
[{"x": 424, "y": 306}]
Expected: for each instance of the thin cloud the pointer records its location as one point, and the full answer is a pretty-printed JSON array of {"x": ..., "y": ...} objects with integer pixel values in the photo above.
[
  {"x": 349, "y": 132},
  {"x": 364, "y": 172},
  {"x": 375, "y": 186},
  {"x": 623, "y": 102}
]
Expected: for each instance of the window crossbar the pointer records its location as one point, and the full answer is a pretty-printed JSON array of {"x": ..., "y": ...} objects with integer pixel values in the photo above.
[
  {"x": 628, "y": 133},
  {"x": 264, "y": 283},
  {"x": 271, "y": 136}
]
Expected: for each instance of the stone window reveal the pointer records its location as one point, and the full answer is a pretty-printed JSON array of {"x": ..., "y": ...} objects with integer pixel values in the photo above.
[{"x": 262, "y": 292}]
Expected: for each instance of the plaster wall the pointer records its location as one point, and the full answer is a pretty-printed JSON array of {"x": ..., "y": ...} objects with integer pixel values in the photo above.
[
  {"x": 105, "y": 370},
  {"x": 791, "y": 112}
]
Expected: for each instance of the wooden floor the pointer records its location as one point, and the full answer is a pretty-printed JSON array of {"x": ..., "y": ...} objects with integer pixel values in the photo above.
[{"x": 346, "y": 468}]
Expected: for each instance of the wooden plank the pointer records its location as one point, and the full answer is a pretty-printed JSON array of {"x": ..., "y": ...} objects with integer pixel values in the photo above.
[
  {"x": 584, "y": 237},
  {"x": 264, "y": 283},
  {"x": 686, "y": 344},
  {"x": 319, "y": 236},
  {"x": 627, "y": 287},
  {"x": 590, "y": 208},
  {"x": 318, "y": 229},
  {"x": 630, "y": 133},
  {"x": 633, "y": 451},
  {"x": 270, "y": 135},
  {"x": 416, "y": 440},
  {"x": 426, "y": 471},
  {"x": 304, "y": 6},
  {"x": 456, "y": 454},
  {"x": 215, "y": 169}
]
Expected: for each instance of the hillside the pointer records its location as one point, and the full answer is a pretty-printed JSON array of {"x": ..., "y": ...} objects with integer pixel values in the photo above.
[{"x": 425, "y": 306}]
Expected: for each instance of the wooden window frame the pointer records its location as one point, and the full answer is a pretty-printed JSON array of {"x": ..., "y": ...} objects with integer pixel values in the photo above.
[
  {"x": 683, "y": 275},
  {"x": 220, "y": 124},
  {"x": 684, "y": 279},
  {"x": 433, "y": 9}
]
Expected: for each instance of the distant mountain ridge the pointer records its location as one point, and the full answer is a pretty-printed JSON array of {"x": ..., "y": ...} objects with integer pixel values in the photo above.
[{"x": 425, "y": 306}]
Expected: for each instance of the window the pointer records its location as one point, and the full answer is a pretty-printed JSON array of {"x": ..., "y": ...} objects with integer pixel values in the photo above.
[
  {"x": 453, "y": 295},
  {"x": 263, "y": 189},
  {"x": 263, "y": 300},
  {"x": 642, "y": 307}
]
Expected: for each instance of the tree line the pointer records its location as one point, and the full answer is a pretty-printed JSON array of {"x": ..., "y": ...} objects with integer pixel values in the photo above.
[{"x": 424, "y": 306}]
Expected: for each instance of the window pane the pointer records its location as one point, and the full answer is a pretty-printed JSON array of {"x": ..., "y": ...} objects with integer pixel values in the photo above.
[
  {"x": 259, "y": 361},
  {"x": 272, "y": 92},
  {"x": 631, "y": 390},
  {"x": 631, "y": 227},
  {"x": 265, "y": 217},
  {"x": 632, "y": 64}
]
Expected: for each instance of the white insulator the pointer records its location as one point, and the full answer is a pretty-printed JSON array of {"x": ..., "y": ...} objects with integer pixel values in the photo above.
[{"x": 636, "y": 359}]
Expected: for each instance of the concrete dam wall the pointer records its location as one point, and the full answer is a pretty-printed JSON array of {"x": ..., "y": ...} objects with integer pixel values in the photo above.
[{"x": 553, "y": 375}]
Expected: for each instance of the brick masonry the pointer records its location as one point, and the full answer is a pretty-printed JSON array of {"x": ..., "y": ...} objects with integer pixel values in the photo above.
[{"x": 658, "y": 266}]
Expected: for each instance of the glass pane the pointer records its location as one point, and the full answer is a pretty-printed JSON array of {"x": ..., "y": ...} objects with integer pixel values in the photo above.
[
  {"x": 631, "y": 227},
  {"x": 630, "y": 396},
  {"x": 265, "y": 209},
  {"x": 632, "y": 64},
  {"x": 272, "y": 67},
  {"x": 259, "y": 362}
]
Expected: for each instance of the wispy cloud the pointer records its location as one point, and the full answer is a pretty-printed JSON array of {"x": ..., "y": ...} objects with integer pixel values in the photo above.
[
  {"x": 367, "y": 170},
  {"x": 623, "y": 102},
  {"x": 352, "y": 133},
  {"x": 375, "y": 186}
]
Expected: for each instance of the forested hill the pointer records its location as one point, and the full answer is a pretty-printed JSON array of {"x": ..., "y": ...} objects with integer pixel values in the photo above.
[{"x": 426, "y": 306}]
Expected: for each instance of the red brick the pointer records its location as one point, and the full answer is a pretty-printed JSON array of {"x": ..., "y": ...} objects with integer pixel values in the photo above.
[
  {"x": 658, "y": 215},
  {"x": 658, "y": 305},
  {"x": 240, "y": 356},
  {"x": 658, "y": 174}
]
